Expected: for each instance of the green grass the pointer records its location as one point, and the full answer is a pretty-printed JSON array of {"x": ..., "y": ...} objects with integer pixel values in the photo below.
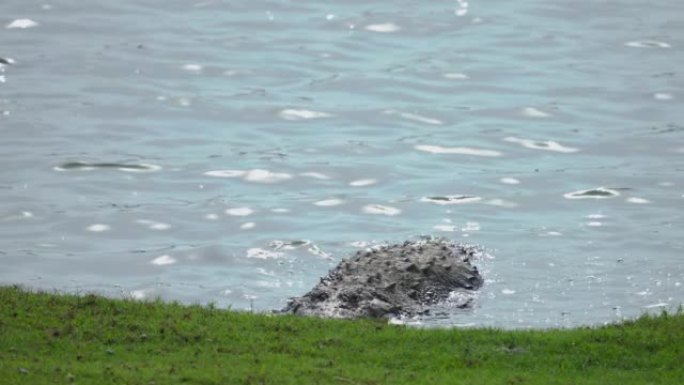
[{"x": 62, "y": 339}]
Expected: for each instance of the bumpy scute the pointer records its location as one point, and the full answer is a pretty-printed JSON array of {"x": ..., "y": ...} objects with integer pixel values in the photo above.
[{"x": 401, "y": 279}]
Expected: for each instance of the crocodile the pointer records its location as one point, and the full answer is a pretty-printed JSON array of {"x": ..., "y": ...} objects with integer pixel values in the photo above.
[{"x": 393, "y": 280}]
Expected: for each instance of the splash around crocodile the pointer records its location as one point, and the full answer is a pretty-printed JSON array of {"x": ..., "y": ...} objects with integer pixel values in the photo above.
[{"x": 395, "y": 280}]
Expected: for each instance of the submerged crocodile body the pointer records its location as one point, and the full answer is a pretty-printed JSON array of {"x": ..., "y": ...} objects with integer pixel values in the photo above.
[{"x": 395, "y": 280}]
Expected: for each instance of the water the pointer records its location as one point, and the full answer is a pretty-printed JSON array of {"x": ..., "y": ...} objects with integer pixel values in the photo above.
[{"x": 233, "y": 152}]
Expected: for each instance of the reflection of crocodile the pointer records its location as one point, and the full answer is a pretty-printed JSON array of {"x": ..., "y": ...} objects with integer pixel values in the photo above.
[{"x": 401, "y": 279}]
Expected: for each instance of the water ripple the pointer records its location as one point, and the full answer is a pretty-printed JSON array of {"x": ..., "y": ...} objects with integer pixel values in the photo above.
[
  {"x": 451, "y": 199},
  {"x": 381, "y": 210},
  {"x": 433, "y": 149},
  {"x": 593, "y": 193},
  {"x": 86, "y": 166},
  {"x": 648, "y": 44},
  {"x": 547, "y": 145}
]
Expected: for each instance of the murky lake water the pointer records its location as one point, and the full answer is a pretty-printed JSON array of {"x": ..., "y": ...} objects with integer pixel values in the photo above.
[{"x": 233, "y": 152}]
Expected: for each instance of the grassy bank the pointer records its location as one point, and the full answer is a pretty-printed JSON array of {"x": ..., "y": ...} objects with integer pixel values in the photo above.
[{"x": 46, "y": 339}]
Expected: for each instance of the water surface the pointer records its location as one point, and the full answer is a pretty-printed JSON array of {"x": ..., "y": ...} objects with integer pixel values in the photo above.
[{"x": 233, "y": 152}]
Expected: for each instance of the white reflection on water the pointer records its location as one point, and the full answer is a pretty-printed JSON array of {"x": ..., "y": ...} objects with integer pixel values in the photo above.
[
  {"x": 260, "y": 253},
  {"x": 255, "y": 175},
  {"x": 384, "y": 27},
  {"x": 638, "y": 200},
  {"x": 415, "y": 117},
  {"x": 195, "y": 68},
  {"x": 420, "y": 118},
  {"x": 532, "y": 112},
  {"x": 239, "y": 211},
  {"x": 457, "y": 150},
  {"x": 22, "y": 24},
  {"x": 315, "y": 175},
  {"x": 648, "y": 44},
  {"x": 302, "y": 114},
  {"x": 501, "y": 203},
  {"x": 329, "y": 202},
  {"x": 154, "y": 225},
  {"x": 363, "y": 182},
  {"x": 663, "y": 96},
  {"x": 381, "y": 210},
  {"x": 596, "y": 216},
  {"x": 248, "y": 226},
  {"x": 13, "y": 217},
  {"x": 547, "y": 145},
  {"x": 163, "y": 260},
  {"x": 456, "y": 76},
  {"x": 98, "y": 228},
  {"x": 509, "y": 180},
  {"x": 226, "y": 173},
  {"x": 280, "y": 210},
  {"x": 471, "y": 226},
  {"x": 446, "y": 228},
  {"x": 462, "y": 8},
  {"x": 451, "y": 199}
]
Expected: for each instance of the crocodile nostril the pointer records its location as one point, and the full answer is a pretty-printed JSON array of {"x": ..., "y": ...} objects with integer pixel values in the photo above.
[{"x": 474, "y": 281}]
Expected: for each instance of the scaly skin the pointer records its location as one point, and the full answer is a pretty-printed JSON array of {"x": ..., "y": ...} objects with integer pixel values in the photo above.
[{"x": 401, "y": 279}]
